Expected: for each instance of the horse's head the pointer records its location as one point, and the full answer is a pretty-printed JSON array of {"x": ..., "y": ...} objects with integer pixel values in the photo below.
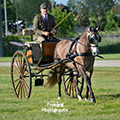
[{"x": 94, "y": 39}]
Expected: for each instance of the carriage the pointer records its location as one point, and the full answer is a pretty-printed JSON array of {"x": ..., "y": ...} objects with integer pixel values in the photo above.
[
  {"x": 29, "y": 65},
  {"x": 72, "y": 59}
]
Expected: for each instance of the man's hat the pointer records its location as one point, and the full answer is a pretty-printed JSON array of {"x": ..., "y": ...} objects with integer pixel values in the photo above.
[{"x": 43, "y": 6}]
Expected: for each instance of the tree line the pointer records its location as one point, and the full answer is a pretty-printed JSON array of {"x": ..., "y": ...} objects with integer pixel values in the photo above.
[{"x": 104, "y": 13}]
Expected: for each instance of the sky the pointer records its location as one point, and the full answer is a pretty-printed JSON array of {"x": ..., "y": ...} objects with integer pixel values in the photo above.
[{"x": 64, "y": 2}]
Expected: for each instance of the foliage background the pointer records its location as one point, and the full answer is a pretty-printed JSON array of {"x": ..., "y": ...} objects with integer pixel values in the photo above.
[
  {"x": 91, "y": 12},
  {"x": 66, "y": 28}
]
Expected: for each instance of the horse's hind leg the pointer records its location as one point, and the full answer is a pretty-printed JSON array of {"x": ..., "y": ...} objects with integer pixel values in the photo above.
[
  {"x": 86, "y": 95},
  {"x": 59, "y": 74},
  {"x": 59, "y": 88},
  {"x": 75, "y": 81},
  {"x": 81, "y": 88}
]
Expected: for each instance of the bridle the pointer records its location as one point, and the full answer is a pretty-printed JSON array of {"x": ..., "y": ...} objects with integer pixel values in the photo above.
[{"x": 74, "y": 42}]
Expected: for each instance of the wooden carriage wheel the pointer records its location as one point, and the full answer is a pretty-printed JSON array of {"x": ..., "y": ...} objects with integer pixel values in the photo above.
[
  {"x": 21, "y": 75},
  {"x": 68, "y": 84}
]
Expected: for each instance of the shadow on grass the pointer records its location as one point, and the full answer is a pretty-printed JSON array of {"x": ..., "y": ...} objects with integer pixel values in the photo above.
[{"x": 108, "y": 96}]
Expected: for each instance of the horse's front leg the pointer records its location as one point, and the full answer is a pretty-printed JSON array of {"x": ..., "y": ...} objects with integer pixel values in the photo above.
[
  {"x": 89, "y": 74},
  {"x": 88, "y": 82}
]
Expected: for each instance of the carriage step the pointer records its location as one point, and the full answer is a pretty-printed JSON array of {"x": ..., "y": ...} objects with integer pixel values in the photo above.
[{"x": 39, "y": 82}]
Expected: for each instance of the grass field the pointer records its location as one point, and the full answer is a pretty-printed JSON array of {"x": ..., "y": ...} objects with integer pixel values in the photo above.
[{"x": 106, "y": 86}]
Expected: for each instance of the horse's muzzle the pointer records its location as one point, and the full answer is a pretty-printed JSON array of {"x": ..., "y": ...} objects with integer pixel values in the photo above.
[{"x": 96, "y": 53}]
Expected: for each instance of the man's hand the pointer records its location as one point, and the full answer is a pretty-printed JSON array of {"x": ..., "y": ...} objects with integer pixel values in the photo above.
[
  {"x": 53, "y": 32},
  {"x": 46, "y": 33}
]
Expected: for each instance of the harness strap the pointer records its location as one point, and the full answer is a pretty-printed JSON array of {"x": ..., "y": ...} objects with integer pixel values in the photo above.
[
  {"x": 73, "y": 42},
  {"x": 80, "y": 54}
]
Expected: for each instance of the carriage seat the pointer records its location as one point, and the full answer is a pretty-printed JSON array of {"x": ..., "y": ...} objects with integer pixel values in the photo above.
[
  {"x": 27, "y": 32},
  {"x": 34, "y": 51}
]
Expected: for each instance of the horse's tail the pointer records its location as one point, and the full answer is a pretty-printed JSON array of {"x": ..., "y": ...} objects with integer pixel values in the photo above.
[{"x": 51, "y": 78}]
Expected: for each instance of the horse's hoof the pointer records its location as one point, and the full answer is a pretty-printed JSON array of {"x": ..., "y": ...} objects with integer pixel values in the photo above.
[
  {"x": 80, "y": 98},
  {"x": 59, "y": 98},
  {"x": 86, "y": 99},
  {"x": 93, "y": 100}
]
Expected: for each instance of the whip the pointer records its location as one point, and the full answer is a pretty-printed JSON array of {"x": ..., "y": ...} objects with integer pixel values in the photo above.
[{"x": 69, "y": 14}]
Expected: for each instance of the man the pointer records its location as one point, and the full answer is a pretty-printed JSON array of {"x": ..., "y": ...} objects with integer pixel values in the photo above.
[{"x": 43, "y": 25}]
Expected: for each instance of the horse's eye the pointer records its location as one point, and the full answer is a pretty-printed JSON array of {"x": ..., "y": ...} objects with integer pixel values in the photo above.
[{"x": 91, "y": 40}]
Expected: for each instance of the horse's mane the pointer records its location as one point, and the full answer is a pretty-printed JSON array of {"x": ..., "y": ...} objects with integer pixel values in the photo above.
[{"x": 86, "y": 29}]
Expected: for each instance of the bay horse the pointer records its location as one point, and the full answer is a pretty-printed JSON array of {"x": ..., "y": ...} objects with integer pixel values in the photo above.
[{"x": 83, "y": 51}]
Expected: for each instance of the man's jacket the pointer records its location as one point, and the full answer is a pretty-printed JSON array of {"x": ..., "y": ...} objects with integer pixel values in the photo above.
[{"x": 39, "y": 25}]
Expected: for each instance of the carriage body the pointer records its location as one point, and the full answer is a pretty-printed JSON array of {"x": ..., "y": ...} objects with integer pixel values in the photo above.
[
  {"x": 31, "y": 64},
  {"x": 34, "y": 55}
]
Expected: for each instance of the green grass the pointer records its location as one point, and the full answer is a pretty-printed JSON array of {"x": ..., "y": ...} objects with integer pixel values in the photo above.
[
  {"x": 105, "y": 84},
  {"x": 5, "y": 59}
]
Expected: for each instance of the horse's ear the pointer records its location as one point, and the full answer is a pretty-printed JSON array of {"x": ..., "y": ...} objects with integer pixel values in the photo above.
[
  {"x": 98, "y": 28},
  {"x": 90, "y": 28}
]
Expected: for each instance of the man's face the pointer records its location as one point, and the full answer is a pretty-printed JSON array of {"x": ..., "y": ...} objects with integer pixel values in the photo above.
[{"x": 44, "y": 11}]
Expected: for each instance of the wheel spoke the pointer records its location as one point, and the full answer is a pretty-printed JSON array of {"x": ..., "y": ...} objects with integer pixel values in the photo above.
[
  {"x": 16, "y": 80},
  {"x": 26, "y": 84},
  {"x": 66, "y": 79},
  {"x": 16, "y": 68},
  {"x": 25, "y": 74},
  {"x": 17, "y": 63},
  {"x": 26, "y": 79},
  {"x": 18, "y": 59},
  {"x": 17, "y": 85},
  {"x": 79, "y": 82},
  {"x": 15, "y": 74},
  {"x": 23, "y": 64},
  {"x": 19, "y": 89},
  {"x": 25, "y": 88},
  {"x": 21, "y": 60},
  {"x": 68, "y": 85},
  {"x": 70, "y": 89},
  {"x": 24, "y": 69}
]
